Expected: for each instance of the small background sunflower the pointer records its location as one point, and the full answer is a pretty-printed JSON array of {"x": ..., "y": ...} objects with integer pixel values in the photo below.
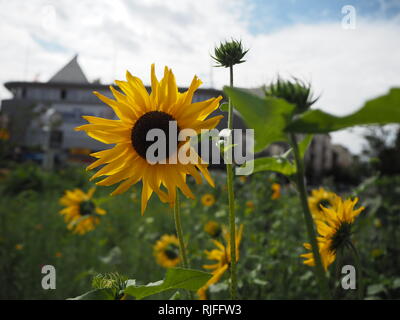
[
  {"x": 166, "y": 251},
  {"x": 80, "y": 213}
]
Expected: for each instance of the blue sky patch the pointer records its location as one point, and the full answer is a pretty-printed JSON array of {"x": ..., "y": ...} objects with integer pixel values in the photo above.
[
  {"x": 271, "y": 15},
  {"x": 49, "y": 45}
]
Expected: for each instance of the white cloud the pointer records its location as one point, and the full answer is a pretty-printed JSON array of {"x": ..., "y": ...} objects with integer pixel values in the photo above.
[{"x": 346, "y": 67}]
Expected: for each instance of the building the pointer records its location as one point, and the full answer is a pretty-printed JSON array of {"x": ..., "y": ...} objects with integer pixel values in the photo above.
[
  {"x": 323, "y": 157},
  {"x": 70, "y": 93}
]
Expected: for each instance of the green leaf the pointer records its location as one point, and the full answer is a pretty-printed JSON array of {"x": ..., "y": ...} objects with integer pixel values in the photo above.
[
  {"x": 280, "y": 164},
  {"x": 113, "y": 257},
  {"x": 226, "y": 148},
  {"x": 224, "y": 107},
  {"x": 267, "y": 116},
  {"x": 304, "y": 144},
  {"x": 396, "y": 283},
  {"x": 97, "y": 294},
  {"x": 378, "y": 111},
  {"x": 375, "y": 289},
  {"x": 176, "y": 296},
  {"x": 176, "y": 278},
  {"x": 260, "y": 282},
  {"x": 275, "y": 164},
  {"x": 367, "y": 183}
]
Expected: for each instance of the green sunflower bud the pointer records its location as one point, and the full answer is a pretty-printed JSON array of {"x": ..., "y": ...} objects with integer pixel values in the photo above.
[
  {"x": 295, "y": 91},
  {"x": 229, "y": 53},
  {"x": 112, "y": 280}
]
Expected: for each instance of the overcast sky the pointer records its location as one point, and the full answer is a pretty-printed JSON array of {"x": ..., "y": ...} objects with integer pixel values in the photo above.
[{"x": 303, "y": 38}]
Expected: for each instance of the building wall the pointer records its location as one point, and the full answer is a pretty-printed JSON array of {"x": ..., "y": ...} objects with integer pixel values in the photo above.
[
  {"x": 342, "y": 156},
  {"x": 321, "y": 157},
  {"x": 72, "y": 102}
]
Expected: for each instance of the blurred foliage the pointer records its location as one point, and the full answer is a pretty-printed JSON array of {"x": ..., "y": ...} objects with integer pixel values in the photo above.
[
  {"x": 33, "y": 234},
  {"x": 30, "y": 177},
  {"x": 26, "y": 177},
  {"x": 383, "y": 151}
]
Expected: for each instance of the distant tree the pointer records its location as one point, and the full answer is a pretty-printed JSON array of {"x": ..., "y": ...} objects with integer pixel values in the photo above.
[{"x": 383, "y": 149}]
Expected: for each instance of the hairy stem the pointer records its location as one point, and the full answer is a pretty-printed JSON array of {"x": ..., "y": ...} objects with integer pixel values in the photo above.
[
  {"x": 231, "y": 201},
  {"x": 301, "y": 186},
  {"x": 178, "y": 226},
  {"x": 360, "y": 284},
  {"x": 338, "y": 276}
]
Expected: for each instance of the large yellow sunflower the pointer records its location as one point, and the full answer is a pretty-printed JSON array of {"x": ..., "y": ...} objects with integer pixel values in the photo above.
[
  {"x": 81, "y": 214},
  {"x": 320, "y": 197},
  {"x": 223, "y": 257},
  {"x": 334, "y": 230},
  {"x": 138, "y": 113},
  {"x": 166, "y": 251}
]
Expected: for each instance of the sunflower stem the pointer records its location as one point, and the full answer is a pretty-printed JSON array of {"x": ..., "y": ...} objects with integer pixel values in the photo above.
[
  {"x": 231, "y": 201},
  {"x": 178, "y": 226},
  {"x": 357, "y": 260},
  {"x": 338, "y": 276},
  {"x": 301, "y": 186}
]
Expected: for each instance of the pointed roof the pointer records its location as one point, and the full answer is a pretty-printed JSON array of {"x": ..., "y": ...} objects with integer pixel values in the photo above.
[{"x": 70, "y": 73}]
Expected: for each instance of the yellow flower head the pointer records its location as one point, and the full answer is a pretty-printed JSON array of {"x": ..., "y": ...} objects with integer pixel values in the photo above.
[
  {"x": 19, "y": 246},
  {"x": 138, "y": 113},
  {"x": 4, "y": 134},
  {"x": 166, "y": 251},
  {"x": 276, "y": 191},
  {"x": 222, "y": 254},
  {"x": 319, "y": 198},
  {"x": 208, "y": 200},
  {"x": 58, "y": 254},
  {"x": 212, "y": 228},
  {"x": 376, "y": 253},
  {"x": 80, "y": 212},
  {"x": 334, "y": 230},
  {"x": 243, "y": 179},
  {"x": 250, "y": 204},
  {"x": 377, "y": 223}
]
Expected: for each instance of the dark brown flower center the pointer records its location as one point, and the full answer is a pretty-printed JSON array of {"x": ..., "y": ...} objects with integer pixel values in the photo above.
[
  {"x": 86, "y": 208},
  {"x": 149, "y": 121},
  {"x": 341, "y": 238},
  {"x": 172, "y": 252},
  {"x": 325, "y": 203}
]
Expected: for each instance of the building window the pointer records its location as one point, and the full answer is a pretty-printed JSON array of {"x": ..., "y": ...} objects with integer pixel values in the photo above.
[
  {"x": 23, "y": 93},
  {"x": 63, "y": 94}
]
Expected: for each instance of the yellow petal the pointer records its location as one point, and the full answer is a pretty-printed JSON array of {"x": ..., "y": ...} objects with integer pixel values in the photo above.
[
  {"x": 108, "y": 156},
  {"x": 146, "y": 194},
  {"x": 124, "y": 186},
  {"x": 116, "y": 106}
]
